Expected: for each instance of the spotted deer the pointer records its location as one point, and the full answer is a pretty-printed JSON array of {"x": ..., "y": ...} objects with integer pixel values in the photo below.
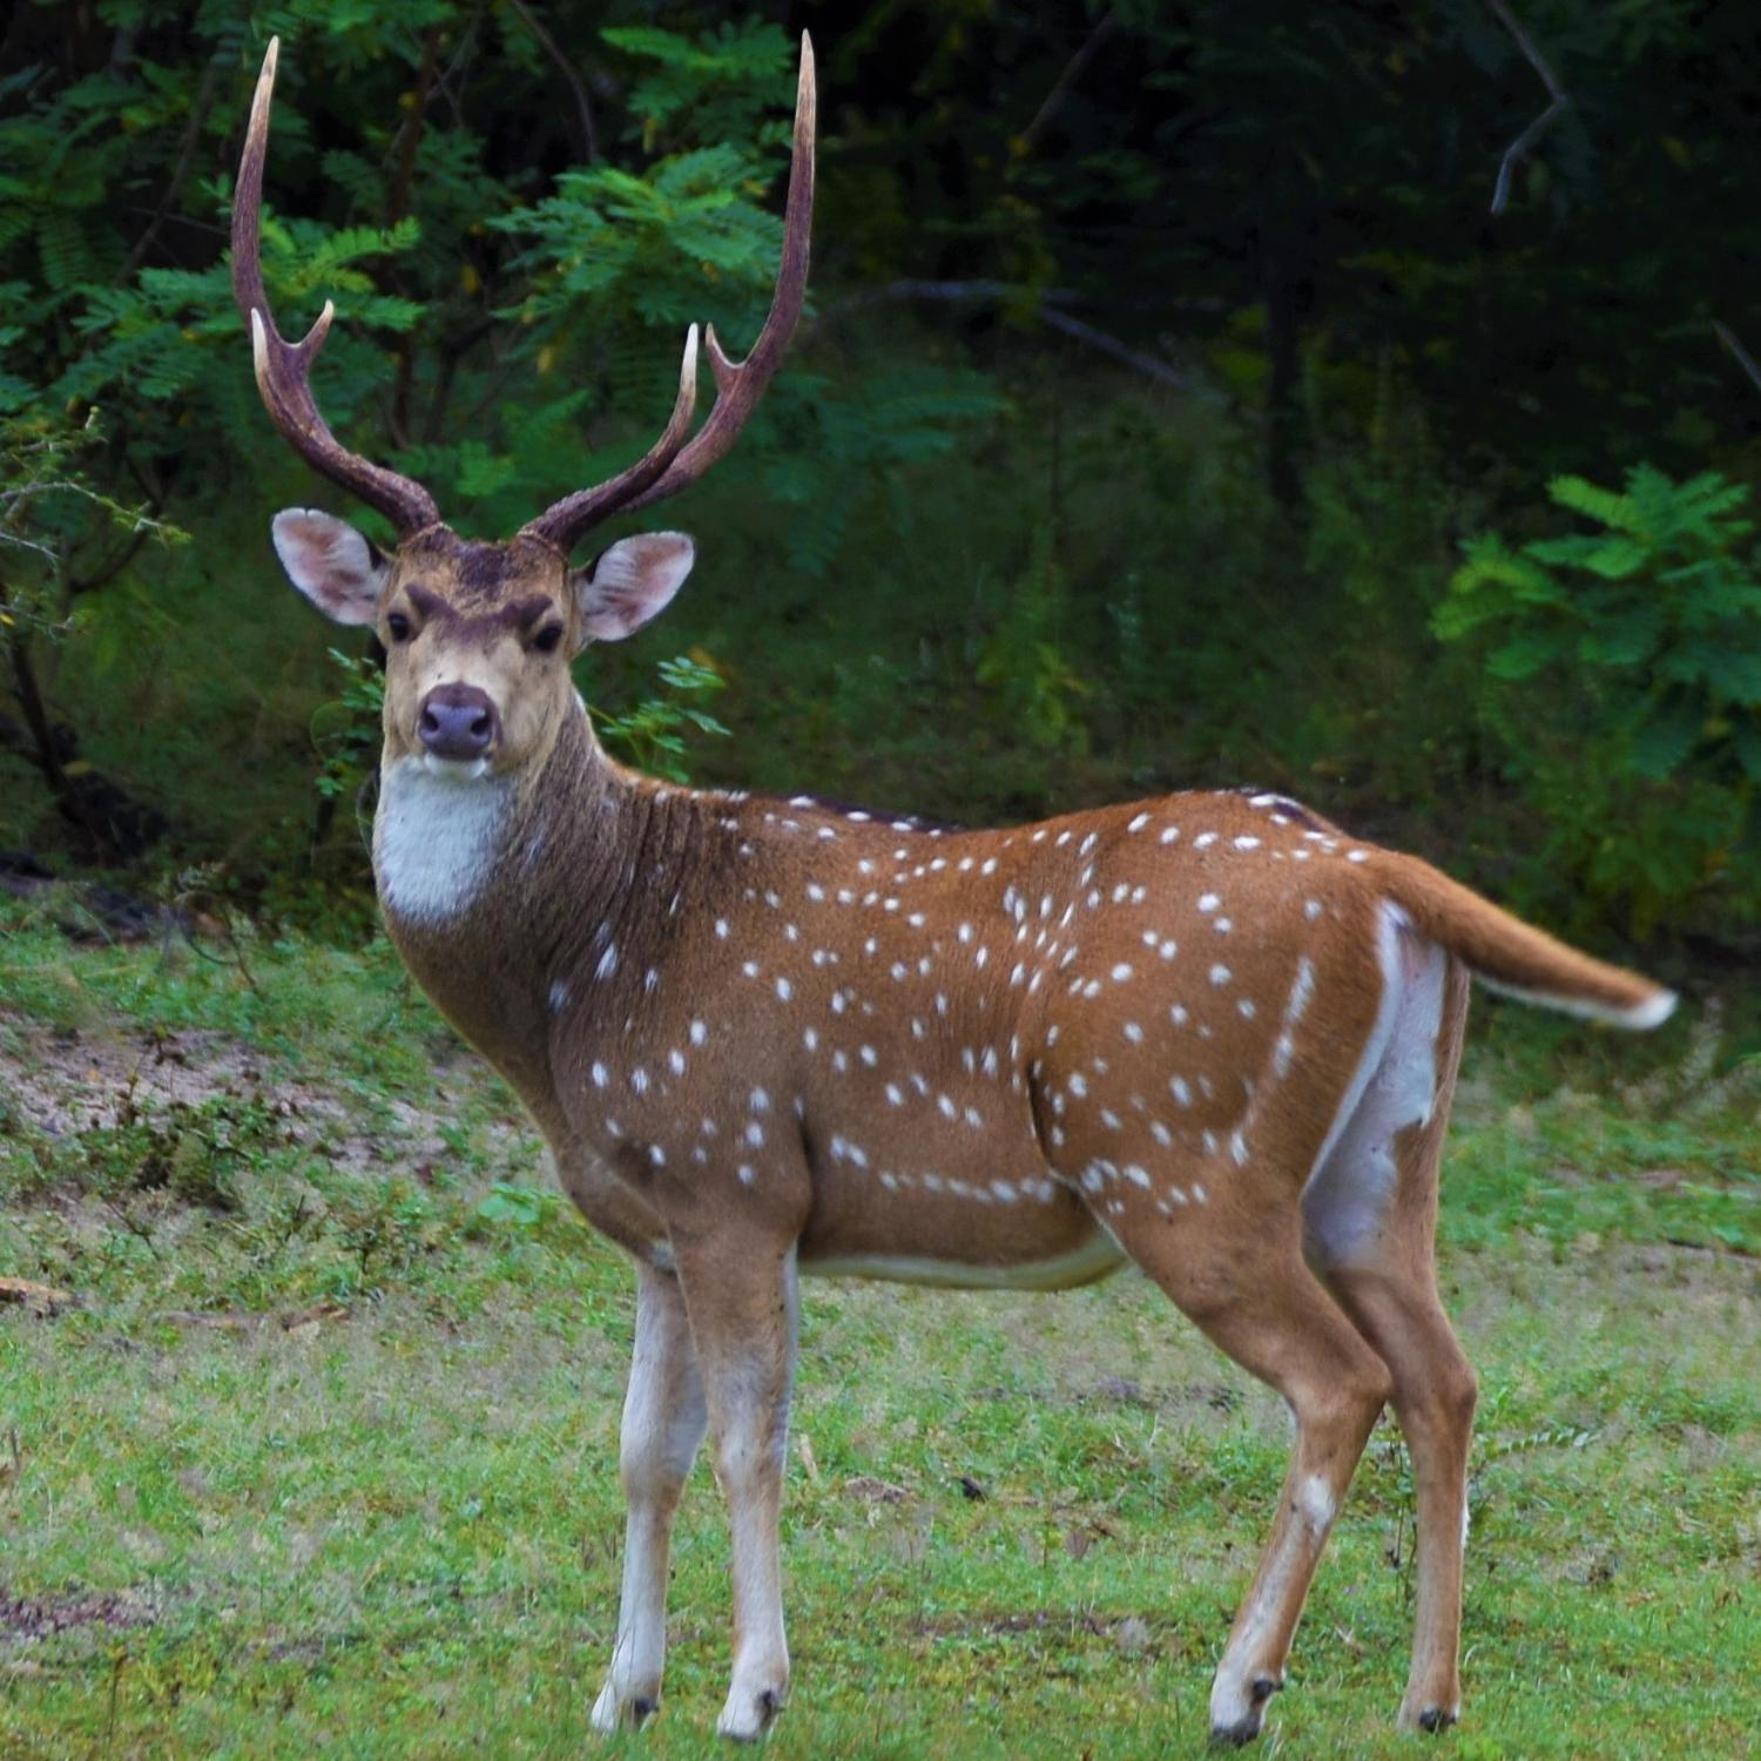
[{"x": 1209, "y": 1034}]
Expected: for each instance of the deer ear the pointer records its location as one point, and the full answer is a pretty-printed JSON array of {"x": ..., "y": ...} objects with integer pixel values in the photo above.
[
  {"x": 331, "y": 563},
  {"x": 623, "y": 587}
]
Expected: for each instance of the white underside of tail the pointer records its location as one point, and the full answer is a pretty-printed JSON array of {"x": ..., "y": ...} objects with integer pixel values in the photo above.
[{"x": 1653, "y": 1012}]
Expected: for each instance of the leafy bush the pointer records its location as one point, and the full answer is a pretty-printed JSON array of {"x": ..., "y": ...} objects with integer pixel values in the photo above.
[{"x": 1622, "y": 681}]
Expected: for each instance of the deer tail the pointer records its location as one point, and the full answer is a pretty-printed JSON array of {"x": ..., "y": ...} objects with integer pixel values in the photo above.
[{"x": 1505, "y": 954}]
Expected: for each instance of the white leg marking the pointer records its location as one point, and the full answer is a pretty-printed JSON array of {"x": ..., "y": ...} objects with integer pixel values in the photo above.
[
  {"x": 750, "y": 1451},
  {"x": 664, "y": 1420}
]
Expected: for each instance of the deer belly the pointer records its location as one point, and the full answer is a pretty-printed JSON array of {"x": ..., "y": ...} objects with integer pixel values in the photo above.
[{"x": 1023, "y": 1242}]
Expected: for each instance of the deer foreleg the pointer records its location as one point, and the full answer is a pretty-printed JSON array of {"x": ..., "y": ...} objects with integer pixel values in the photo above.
[
  {"x": 664, "y": 1419},
  {"x": 742, "y": 1302}
]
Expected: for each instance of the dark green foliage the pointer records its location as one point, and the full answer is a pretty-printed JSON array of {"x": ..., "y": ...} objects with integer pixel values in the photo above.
[
  {"x": 963, "y": 560},
  {"x": 1622, "y": 678}
]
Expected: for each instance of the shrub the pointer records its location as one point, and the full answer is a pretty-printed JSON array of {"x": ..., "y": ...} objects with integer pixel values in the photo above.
[{"x": 1622, "y": 679}]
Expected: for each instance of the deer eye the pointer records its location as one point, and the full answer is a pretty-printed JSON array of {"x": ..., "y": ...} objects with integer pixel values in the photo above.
[
  {"x": 547, "y": 638},
  {"x": 398, "y": 626}
]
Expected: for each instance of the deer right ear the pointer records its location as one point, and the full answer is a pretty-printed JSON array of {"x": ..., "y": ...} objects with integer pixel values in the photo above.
[{"x": 336, "y": 568}]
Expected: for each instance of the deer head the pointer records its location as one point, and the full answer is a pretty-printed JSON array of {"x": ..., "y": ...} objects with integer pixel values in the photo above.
[{"x": 478, "y": 636}]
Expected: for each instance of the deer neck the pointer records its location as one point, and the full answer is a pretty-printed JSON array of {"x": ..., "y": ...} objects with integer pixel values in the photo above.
[{"x": 504, "y": 896}]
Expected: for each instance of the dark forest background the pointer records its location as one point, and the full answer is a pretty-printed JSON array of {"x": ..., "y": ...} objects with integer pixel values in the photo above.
[{"x": 1351, "y": 399}]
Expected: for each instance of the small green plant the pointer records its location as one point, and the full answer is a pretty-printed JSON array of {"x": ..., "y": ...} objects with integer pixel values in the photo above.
[
  {"x": 1622, "y": 678},
  {"x": 1025, "y": 664},
  {"x": 506, "y": 1205},
  {"x": 346, "y": 729},
  {"x": 653, "y": 735}
]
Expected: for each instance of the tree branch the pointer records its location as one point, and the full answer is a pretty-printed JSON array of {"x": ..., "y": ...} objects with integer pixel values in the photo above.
[
  {"x": 186, "y": 152},
  {"x": 583, "y": 106},
  {"x": 1525, "y": 142},
  {"x": 1739, "y": 354},
  {"x": 1073, "y": 71},
  {"x": 1047, "y": 303}
]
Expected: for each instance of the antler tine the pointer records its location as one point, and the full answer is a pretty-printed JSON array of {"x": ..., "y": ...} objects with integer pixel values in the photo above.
[
  {"x": 283, "y": 368},
  {"x": 740, "y": 384},
  {"x": 566, "y": 520},
  {"x": 671, "y": 464}
]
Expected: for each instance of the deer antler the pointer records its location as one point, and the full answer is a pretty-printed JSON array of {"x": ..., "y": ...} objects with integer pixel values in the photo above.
[
  {"x": 671, "y": 464},
  {"x": 283, "y": 367}
]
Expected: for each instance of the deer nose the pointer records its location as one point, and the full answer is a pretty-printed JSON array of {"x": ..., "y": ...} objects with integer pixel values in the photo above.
[{"x": 457, "y": 721}]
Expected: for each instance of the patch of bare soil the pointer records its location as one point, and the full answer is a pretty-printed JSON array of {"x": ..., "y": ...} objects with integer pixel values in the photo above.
[
  {"x": 37, "y": 1617},
  {"x": 65, "y": 1082}
]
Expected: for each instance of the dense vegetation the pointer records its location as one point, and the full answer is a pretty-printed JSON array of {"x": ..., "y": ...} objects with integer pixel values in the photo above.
[{"x": 1174, "y": 409}]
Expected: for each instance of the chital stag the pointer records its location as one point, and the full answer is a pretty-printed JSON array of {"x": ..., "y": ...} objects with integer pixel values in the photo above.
[{"x": 1210, "y": 1034}]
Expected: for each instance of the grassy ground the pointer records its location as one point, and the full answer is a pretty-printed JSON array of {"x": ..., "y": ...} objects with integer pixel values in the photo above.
[{"x": 323, "y": 1459}]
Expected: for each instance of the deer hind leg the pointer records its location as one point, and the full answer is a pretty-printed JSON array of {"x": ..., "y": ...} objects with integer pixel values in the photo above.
[
  {"x": 664, "y": 1419},
  {"x": 740, "y": 1293},
  {"x": 1385, "y": 1278},
  {"x": 1236, "y": 1269}
]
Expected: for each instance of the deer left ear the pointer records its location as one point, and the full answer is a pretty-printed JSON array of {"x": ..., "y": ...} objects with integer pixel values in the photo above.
[{"x": 625, "y": 586}]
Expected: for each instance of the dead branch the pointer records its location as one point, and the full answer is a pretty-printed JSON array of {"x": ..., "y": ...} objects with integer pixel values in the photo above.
[
  {"x": 1738, "y": 353},
  {"x": 1073, "y": 71},
  {"x": 1558, "y": 95},
  {"x": 549, "y": 44},
  {"x": 1046, "y": 303}
]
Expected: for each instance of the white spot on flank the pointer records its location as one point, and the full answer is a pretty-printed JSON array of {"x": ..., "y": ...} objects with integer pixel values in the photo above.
[
  {"x": 746, "y": 1174},
  {"x": 699, "y": 1033},
  {"x": 1138, "y": 823},
  {"x": 1219, "y": 975},
  {"x": 1208, "y": 901},
  {"x": 559, "y": 997},
  {"x": 600, "y": 1076},
  {"x": 608, "y": 962}
]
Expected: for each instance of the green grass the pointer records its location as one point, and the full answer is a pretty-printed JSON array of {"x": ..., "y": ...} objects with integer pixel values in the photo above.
[{"x": 324, "y": 1460}]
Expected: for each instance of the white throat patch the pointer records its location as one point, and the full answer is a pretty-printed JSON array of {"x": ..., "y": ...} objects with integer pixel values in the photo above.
[{"x": 436, "y": 837}]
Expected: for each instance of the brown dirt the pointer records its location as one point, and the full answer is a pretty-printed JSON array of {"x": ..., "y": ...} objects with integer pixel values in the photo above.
[
  {"x": 36, "y": 1617},
  {"x": 62, "y": 1081}
]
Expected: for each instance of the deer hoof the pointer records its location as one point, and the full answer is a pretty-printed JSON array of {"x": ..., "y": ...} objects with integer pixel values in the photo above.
[
  {"x": 613, "y": 1712},
  {"x": 748, "y": 1715}
]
